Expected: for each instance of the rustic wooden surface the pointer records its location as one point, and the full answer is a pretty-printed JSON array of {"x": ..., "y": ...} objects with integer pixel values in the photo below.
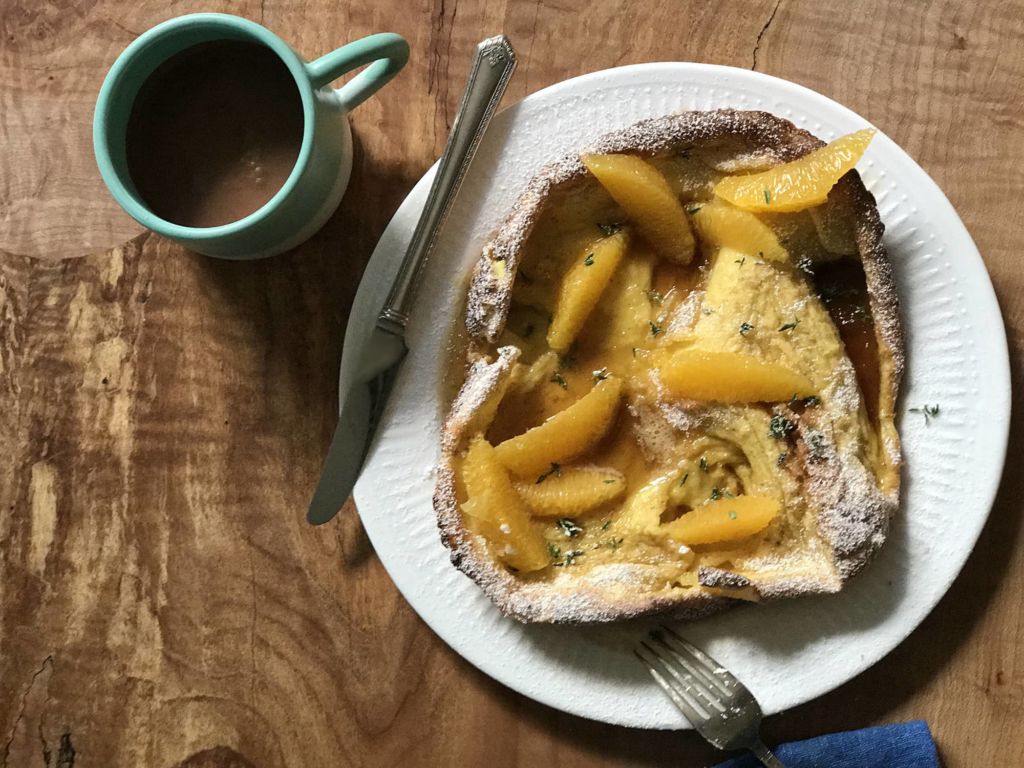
[{"x": 163, "y": 416}]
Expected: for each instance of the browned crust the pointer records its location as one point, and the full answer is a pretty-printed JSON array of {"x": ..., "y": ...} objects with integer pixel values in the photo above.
[{"x": 845, "y": 506}]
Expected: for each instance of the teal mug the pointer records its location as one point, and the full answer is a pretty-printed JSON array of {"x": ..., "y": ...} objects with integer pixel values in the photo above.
[{"x": 316, "y": 183}]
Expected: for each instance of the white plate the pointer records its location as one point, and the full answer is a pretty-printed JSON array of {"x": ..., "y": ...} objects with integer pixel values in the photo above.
[{"x": 786, "y": 653}]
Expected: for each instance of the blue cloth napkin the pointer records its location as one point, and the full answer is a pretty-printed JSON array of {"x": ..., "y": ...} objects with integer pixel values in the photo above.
[{"x": 907, "y": 745}]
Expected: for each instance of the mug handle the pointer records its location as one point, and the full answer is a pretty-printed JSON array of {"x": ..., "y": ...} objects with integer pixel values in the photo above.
[{"x": 386, "y": 53}]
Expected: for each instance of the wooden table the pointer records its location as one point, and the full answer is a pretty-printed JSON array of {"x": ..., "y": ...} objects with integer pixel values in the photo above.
[{"x": 163, "y": 416}]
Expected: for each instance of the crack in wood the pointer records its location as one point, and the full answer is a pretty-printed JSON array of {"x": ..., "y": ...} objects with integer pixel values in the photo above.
[
  {"x": 252, "y": 628},
  {"x": 448, "y": 59},
  {"x": 123, "y": 28},
  {"x": 47, "y": 662},
  {"x": 46, "y": 747},
  {"x": 760, "y": 35},
  {"x": 440, "y": 64}
]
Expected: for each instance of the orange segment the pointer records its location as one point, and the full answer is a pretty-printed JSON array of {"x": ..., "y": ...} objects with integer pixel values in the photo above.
[
  {"x": 723, "y": 520},
  {"x": 495, "y": 511},
  {"x": 721, "y": 224},
  {"x": 571, "y": 491},
  {"x": 799, "y": 184},
  {"x": 582, "y": 287},
  {"x": 730, "y": 377},
  {"x": 565, "y": 435},
  {"x": 648, "y": 200}
]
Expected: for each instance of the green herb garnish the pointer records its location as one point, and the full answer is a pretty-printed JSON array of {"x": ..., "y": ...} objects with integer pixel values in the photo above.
[
  {"x": 569, "y": 527},
  {"x": 559, "y": 379},
  {"x": 605, "y": 524},
  {"x": 610, "y": 482},
  {"x": 715, "y": 494},
  {"x": 780, "y": 427},
  {"x": 789, "y": 326},
  {"x": 767, "y": 197},
  {"x": 781, "y": 460},
  {"x": 928, "y": 411},
  {"x": 655, "y": 329},
  {"x": 745, "y": 328},
  {"x": 556, "y": 470},
  {"x": 589, "y": 260},
  {"x": 694, "y": 210},
  {"x": 741, "y": 262},
  {"x": 683, "y": 481},
  {"x": 732, "y": 515},
  {"x": 703, "y": 464},
  {"x": 655, "y": 297},
  {"x": 816, "y": 441},
  {"x": 600, "y": 374},
  {"x": 569, "y": 558}
]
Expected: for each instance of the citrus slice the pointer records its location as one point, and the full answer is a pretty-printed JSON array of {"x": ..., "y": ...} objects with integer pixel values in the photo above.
[
  {"x": 723, "y": 520},
  {"x": 648, "y": 200},
  {"x": 799, "y": 184},
  {"x": 571, "y": 491},
  {"x": 582, "y": 287},
  {"x": 730, "y": 377},
  {"x": 496, "y": 512},
  {"x": 565, "y": 435},
  {"x": 721, "y": 224}
]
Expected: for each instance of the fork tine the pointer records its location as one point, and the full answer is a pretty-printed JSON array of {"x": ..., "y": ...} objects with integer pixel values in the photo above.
[
  {"x": 692, "y": 665},
  {"x": 706, "y": 660},
  {"x": 680, "y": 697},
  {"x": 704, "y": 665},
  {"x": 689, "y": 676}
]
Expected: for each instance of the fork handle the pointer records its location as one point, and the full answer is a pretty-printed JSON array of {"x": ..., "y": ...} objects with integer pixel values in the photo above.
[{"x": 765, "y": 755}]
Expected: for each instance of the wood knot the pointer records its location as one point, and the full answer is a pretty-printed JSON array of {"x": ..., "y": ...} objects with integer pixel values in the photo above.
[{"x": 65, "y": 753}]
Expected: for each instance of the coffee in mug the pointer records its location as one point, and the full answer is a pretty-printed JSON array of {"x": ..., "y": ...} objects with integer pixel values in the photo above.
[{"x": 214, "y": 133}]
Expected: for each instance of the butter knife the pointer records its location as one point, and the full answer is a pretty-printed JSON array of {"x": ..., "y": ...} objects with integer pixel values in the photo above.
[{"x": 363, "y": 401}]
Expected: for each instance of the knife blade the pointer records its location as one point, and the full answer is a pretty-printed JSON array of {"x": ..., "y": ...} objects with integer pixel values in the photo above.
[{"x": 358, "y": 415}]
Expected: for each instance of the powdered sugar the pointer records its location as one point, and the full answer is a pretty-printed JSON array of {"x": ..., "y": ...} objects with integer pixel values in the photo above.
[{"x": 685, "y": 314}]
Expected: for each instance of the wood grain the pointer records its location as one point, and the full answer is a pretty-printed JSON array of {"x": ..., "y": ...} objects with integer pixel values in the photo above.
[{"x": 163, "y": 416}]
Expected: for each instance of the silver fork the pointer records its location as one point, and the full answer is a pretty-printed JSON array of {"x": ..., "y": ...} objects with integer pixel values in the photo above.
[{"x": 717, "y": 704}]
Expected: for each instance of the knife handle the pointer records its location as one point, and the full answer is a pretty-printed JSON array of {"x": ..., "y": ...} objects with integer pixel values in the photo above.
[{"x": 492, "y": 68}]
